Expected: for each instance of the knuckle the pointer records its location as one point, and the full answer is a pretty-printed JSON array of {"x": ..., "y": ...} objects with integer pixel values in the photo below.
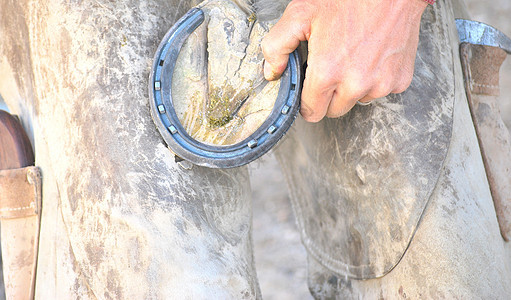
[
  {"x": 324, "y": 75},
  {"x": 301, "y": 13},
  {"x": 381, "y": 89},
  {"x": 356, "y": 87},
  {"x": 324, "y": 79},
  {"x": 298, "y": 8},
  {"x": 403, "y": 84},
  {"x": 405, "y": 80},
  {"x": 267, "y": 47}
]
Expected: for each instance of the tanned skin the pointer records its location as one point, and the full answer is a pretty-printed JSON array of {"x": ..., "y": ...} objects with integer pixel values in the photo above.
[{"x": 359, "y": 50}]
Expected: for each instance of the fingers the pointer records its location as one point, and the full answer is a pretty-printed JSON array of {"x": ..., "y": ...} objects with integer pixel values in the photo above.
[
  {"x": 328, "y": 90},
  {"x": 346, "y": 96},
  {"x": 406, "y": 78},
  {"x": 358, "y": 51},
  {"x": 365, "y": 90},
  {"x": 315, "y": 99},
  {"x": 284, "y": 38}
]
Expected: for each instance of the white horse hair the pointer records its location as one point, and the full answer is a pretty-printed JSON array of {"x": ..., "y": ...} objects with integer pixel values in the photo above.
[{"x": 264, "y": 9}]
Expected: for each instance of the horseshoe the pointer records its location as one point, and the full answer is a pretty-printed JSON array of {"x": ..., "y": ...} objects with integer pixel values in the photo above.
[{"x": 175, "y": 136}]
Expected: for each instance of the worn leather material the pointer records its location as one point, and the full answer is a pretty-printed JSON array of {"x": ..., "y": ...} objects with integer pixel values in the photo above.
[
  {"x": 20, "y": 211},
  {"x": 481, "y": 65},
  {"x": 20, "y": 192},
  {"x": 20, "y": 208},
  {"x": 360, "y": 183},
  {"x": 457, "y": 251}
]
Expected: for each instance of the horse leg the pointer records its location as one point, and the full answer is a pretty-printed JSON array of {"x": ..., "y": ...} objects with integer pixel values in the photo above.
[{"x": 121, "y": 219}]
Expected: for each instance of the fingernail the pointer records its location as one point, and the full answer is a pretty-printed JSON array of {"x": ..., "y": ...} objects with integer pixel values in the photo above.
[
  {"x": 305, "y": 110},
  {"x": 268, "y": 71}
]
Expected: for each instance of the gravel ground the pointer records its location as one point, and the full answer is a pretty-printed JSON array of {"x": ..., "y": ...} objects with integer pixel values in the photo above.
[{"x": 280, "y": 258}]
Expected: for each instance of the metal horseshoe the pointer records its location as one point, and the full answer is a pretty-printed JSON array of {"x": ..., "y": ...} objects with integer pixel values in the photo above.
[{"x": 180, "y": 142}]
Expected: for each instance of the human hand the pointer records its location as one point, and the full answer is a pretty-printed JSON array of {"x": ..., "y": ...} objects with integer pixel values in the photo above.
[{"x": 359, "y": 50}]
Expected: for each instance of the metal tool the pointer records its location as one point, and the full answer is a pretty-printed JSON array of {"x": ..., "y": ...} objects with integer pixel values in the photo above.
[
  {"x": 478, "y": 33},
  {"x": 180, "y": 142},
  {"x": 482, "y": 52}
]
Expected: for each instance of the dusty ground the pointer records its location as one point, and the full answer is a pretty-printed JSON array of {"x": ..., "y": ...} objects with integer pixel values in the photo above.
[{"x": 280, "y": 258}]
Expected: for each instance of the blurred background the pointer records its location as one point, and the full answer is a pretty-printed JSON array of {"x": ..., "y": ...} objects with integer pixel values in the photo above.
[{"x": 280, "y": 257}]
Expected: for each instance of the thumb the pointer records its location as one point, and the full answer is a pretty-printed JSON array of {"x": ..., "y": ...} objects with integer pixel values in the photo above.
[{"x": 284, "y": 38}]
